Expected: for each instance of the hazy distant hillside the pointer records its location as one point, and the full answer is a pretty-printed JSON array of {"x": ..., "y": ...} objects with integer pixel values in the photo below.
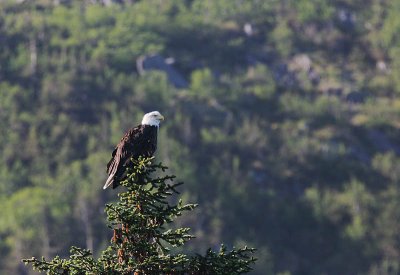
[{"x": 282, "y": 118}]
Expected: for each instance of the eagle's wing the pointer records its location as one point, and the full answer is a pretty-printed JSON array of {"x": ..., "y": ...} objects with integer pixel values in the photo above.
[
  {"x": 121, "y": 154},
  {"x": 112, "y": 159}
]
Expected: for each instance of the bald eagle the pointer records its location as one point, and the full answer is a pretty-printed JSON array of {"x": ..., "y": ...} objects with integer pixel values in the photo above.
[{"x": 138, "y": 141}]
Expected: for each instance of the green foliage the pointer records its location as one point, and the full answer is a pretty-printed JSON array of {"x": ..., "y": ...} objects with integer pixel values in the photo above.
[
  {"x": 291, "y": 109},
  {"x": 313, "y": 10},
  {"x": 281, "y": 35},
  {"x": 141, "y": 242},
  {"x": 80, "y": 262}
]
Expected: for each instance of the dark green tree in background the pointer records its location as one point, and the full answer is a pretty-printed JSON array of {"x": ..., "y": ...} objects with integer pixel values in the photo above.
[{"x": 141, "y": 242}]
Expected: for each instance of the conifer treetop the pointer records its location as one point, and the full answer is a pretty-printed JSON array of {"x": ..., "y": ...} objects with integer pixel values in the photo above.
[{"x": 141, "y": 239}]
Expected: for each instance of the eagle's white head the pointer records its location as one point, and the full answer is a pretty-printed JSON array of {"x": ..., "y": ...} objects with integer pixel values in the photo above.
[{"x": 153, "y": 118}]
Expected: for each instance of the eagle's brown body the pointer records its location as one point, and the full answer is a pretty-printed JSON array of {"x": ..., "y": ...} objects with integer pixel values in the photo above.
[{"x": 138, "y": 141}]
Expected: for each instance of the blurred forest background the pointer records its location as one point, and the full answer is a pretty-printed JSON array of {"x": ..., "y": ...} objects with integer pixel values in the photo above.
[{"x": 282, "y": 118}]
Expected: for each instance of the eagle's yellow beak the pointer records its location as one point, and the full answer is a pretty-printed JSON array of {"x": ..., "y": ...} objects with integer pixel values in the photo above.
[{"x": 161, "y": 117}]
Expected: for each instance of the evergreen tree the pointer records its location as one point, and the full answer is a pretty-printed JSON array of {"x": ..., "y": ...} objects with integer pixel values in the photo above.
[{"x": 141, "y": 243}]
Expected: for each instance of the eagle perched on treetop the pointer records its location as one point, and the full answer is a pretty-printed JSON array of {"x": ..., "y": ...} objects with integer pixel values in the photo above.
[{"x": 138, "y": 141}]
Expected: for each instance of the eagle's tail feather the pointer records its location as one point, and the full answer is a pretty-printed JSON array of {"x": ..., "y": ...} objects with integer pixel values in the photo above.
[{"x": 109, "y": 181}]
